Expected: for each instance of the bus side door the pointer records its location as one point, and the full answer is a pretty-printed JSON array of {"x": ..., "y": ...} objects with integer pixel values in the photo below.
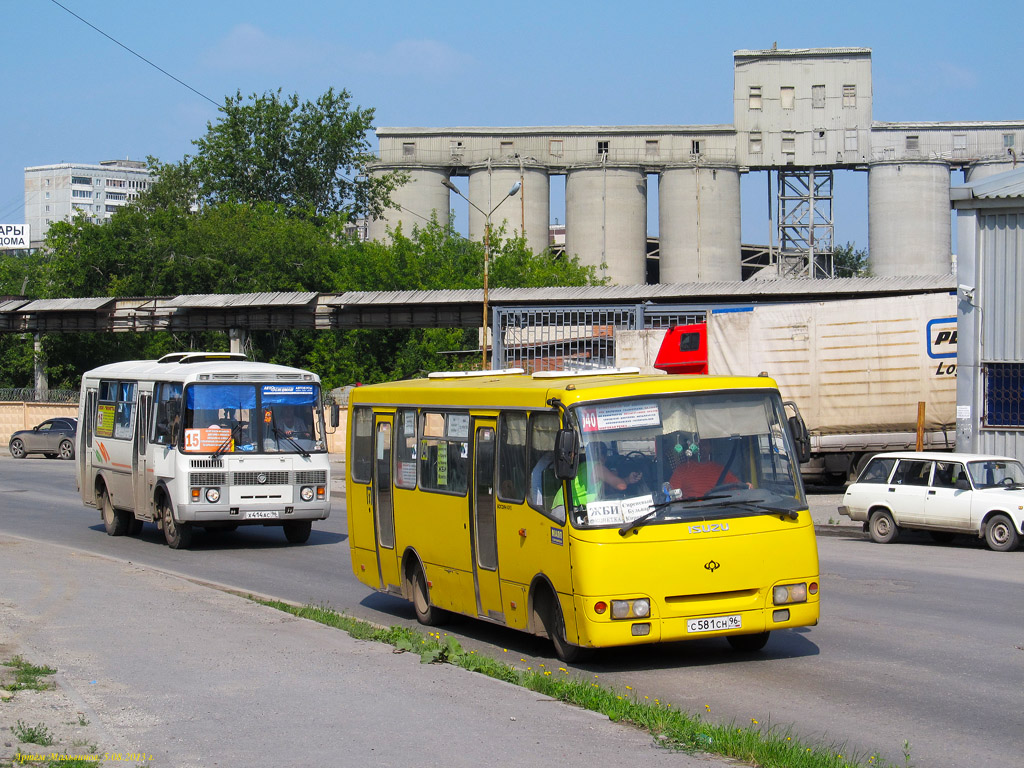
[
  {"x": 383, "y": 505},
  {"x": 485, "y": 536},
  {"x": 83, "y": 453},
  {"x": 142, "y": 481}
]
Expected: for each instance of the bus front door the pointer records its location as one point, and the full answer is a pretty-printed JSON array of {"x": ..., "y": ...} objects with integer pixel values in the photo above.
[
  {"x": 383, "y": 507},
  {"x": 485, "y": 536}
]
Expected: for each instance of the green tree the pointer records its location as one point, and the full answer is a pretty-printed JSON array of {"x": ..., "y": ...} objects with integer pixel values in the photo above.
[
  {"x": 309, "y": 157},
  {"x": 849, "y": 261}
]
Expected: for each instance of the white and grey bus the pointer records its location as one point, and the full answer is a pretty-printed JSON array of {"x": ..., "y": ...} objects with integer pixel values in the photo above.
[{"x": 203, "y": 439}]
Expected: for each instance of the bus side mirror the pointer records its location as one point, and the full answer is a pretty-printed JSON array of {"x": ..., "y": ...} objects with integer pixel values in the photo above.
[
  {"x": 801, "y": 440},
  {"x": 335, "y": 415},
  {"x": 567, "y": 453}
]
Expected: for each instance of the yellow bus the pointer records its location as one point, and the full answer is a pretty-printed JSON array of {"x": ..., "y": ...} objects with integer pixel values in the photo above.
[{"x": 686, "y": 514}]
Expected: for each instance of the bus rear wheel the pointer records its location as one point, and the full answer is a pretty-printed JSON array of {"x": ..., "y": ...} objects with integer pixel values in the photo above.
[
  {"x": 177, "y": 535},
  {"x": 297, "y": 531},
  {"x": 115, "y": 521},
  {"x": 427, "y": 614}
]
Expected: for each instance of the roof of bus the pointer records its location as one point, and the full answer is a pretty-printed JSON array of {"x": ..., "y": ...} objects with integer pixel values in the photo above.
[
  {"x": 181, "y": 371},
  {"x": 533, "y": 391}
]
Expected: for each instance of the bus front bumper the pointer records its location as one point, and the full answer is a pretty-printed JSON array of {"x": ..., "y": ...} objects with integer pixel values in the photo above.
[
  {"x": 253, "y": 514},
  {"x": 600, "y": 633}
]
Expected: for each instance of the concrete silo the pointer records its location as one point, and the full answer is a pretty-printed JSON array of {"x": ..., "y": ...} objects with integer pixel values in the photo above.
[
  {"x": 699, "y": 223},
  {"x": 606, "y": 220},
  {"x": 909, "y": 218},
  {"x": 527, "y": 211},
  {"x": 423, "y": 194}
]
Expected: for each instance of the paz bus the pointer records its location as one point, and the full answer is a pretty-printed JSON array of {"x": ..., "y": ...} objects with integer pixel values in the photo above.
[
  {"x": 202, "y": 439},
  {"x": 596, "y": 509}
]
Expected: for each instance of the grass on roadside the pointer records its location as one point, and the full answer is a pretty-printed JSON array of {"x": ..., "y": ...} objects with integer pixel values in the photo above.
[
  {"x": 28, "y": 677},
  {"x": 758, "y": 744}
]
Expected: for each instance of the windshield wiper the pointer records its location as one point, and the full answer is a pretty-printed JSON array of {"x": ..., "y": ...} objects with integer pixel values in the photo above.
[
  {"x": 227, "y": 443},
  {"x": 292, "y": 440},
  {"x": 760, "y": 506},
  {"x": 663, "y": 505}
]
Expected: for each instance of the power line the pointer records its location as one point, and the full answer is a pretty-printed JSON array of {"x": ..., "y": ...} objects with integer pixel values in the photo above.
[{"x": 133, "y": 53}]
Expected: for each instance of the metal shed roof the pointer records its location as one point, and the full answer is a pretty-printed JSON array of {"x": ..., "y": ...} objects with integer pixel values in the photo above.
[
  {"x": 239, "y": 300},
  {"x": 68, "y": 305},
  {"x": 747, "y": 290},
  {"x": 1000, "y": 186}
]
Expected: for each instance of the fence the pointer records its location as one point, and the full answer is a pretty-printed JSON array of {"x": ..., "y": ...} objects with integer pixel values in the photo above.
[
  {"x": 30, "y": 395},
  {"x": 574, "y": 338}
]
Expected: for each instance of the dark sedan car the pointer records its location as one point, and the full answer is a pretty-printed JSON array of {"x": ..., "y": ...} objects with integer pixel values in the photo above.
[{"x": 52, "y": 438}]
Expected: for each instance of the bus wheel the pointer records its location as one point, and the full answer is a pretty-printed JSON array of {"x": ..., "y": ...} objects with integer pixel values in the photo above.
[
  {"x": 177, "y": 535},
  {"x": 426, "y": 613},
  {"x": 554, "y": 624},
  {"x": 297, "y": 531},
  {"x": 114, "y": 520},
  {"x": 748, "y": 643}
]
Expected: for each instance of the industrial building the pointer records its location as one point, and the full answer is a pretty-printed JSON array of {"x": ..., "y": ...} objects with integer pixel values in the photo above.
[
  {"x": 56, "y": 192},
  {"x": 990, "y": 288},
  {"x": 799, "y": 115}
]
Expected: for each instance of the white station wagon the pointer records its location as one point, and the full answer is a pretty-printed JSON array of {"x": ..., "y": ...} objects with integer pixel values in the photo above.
[{"x": 943, "y": 493}]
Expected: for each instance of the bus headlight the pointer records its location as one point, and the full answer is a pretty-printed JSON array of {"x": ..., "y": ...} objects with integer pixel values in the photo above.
[
  {"x": 213, "y": 495},
  {"x": 306, "y": 494},
  {"x": 789, "y": 593},
  {"x": 626, "y": 609}
]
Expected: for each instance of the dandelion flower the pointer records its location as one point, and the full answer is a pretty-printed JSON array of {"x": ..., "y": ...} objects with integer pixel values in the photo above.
[
  {"x": 707, "y": 707},
  {"x": 755, "y": 723}
]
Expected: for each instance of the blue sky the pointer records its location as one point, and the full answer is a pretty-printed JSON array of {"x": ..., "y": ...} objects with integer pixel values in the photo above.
[{"x": 74, "y": 96}]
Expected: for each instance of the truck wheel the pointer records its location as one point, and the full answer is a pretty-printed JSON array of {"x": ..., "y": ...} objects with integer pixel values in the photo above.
[
  {"x": 115, "y": 521},
  {"x": 297, "y": 532},
  {"x": 177, "y": 535},
  {"x": 882, "y": 527},
  {"x": 748, "y": 643},
  {"x": 1000, "y": 535}
]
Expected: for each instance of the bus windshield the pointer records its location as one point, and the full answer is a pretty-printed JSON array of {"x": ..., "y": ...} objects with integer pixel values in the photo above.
[
  {"x": 684, "y": 457},
  {"x": 253, "y": 418}
]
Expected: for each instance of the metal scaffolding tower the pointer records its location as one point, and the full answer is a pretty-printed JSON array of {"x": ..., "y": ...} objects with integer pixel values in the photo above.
[{"x": 805, "y": 223}]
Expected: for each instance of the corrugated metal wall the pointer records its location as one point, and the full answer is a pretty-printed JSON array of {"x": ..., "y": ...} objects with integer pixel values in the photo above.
[{"x": 1001, "y": 294}]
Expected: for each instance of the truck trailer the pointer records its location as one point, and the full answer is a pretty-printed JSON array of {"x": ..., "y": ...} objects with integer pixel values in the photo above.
[{"x": 857, "y": 369}]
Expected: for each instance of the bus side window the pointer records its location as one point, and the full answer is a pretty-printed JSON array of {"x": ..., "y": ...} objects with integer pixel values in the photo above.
[
  {"x": 167, "y": 421},
  {"x": 512, "y": 461},
  {"x": 362, "y": 445},
  {"x": 405, "y": 449},
  {"x": 543, "y": 483},
  {"x": 444, "y": 452}
]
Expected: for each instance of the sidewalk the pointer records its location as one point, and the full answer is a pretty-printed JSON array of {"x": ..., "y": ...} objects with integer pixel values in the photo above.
[{"x": 186, "y": 675}]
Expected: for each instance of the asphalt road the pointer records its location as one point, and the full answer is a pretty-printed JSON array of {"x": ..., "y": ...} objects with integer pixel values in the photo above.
[{"x": 917, "y": 642}]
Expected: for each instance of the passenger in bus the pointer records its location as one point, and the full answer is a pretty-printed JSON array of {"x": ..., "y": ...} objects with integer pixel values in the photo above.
[{"x": 700, "y": 473}]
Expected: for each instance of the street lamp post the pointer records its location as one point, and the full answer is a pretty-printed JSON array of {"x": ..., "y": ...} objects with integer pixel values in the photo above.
[{"x": 487, "y": 247}]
